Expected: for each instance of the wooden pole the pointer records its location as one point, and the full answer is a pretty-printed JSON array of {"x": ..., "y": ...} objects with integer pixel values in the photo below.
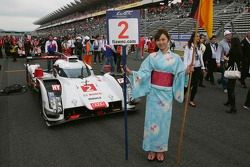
[{"x": 187, "y": 98}]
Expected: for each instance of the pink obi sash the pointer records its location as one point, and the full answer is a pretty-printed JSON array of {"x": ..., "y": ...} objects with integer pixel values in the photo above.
[{"x": 162, "y": 78}]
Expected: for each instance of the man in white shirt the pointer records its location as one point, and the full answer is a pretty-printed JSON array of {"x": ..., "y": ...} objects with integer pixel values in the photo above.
[
  {"x": 225, "y": 46},
  {"x": 97, "y": 49},
  {"x": 51, "y": 46}
]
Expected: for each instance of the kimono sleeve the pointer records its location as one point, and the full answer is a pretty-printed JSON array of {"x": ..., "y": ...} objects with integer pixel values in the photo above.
[
  {"x": 179, "y": 81},
  {"x": 141, "y": 80}
]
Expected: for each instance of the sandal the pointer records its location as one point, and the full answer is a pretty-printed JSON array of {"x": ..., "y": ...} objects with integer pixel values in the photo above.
[
  {"x": 160, "y": 156},
  {"x": 151, "y": 156},
  {"x": 192, "y": 104}
]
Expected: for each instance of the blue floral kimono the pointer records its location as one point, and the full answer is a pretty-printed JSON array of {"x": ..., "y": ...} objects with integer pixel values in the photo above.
[{"x": 159, "y": 98}]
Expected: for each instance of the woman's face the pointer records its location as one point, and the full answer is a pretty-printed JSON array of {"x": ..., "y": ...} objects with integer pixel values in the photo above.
[
  {"x": 162, "y": 43},
  {"x": 197, "y": 38}
]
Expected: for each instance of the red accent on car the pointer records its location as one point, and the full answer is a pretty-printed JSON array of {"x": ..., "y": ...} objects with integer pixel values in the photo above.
[
  {"x": 38, "y": 72},
  {"x": 89, "y": 88},
  {"x": 76, "y": 116},
  {"x": 98, "y": 105}
]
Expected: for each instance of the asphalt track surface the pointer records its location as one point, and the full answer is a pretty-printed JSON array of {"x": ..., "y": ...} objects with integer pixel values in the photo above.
[{"x": 213, "y": 138}]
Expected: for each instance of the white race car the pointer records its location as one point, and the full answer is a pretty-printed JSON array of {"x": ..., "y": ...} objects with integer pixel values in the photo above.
[{"x": 72, "y": 91}]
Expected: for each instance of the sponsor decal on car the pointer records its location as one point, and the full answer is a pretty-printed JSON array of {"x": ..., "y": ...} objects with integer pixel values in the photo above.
[
  {"x": 89, "y": 88},
  {"x": 98, "y": 105},
  {"x": 94, "y": 98},
  {"x": 56, "y": 87}
]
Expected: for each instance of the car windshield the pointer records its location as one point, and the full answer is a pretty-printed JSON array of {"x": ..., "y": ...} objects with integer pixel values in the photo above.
[{"x": 74, "y": 73}]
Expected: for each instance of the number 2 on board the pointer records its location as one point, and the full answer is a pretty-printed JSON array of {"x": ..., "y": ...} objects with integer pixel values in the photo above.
[{"x": 122, "y": 34}]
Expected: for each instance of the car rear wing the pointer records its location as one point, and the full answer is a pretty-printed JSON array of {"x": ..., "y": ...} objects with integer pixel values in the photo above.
[
  {"x": 50, "y": 59},
  {"x": 47, "y": 57}
]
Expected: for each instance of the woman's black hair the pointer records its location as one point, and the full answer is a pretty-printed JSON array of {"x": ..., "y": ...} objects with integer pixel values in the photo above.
[
  {"x": 214, "y": 36},
  {"x": 160, "y": 32},
  {"x": 191, "y": 40}
]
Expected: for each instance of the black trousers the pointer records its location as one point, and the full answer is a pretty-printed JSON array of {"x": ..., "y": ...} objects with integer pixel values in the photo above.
[
  {"x": 118, "y": 63},
  {"x": 247, "y": 102},
  {"x": 244, "y": 72},
  {"x": 97, "y": 54},
  {"x": 197, "y": 74},
  {"x": 14, "y": 56},
  {"x": 211, "y": 68},
  {"x": 231, "y": 93}
]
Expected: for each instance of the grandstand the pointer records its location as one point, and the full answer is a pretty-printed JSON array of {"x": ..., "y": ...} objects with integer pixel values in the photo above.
[{"x": 88, "y": 17}]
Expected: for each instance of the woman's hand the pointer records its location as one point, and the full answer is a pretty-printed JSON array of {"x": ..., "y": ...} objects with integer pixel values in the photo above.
[
  {"x": 127, "y": 70},
  {"x": 204, "y": 72}
]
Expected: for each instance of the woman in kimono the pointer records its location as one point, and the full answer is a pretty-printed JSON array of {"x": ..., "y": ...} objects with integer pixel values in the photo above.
[{"x": 161, "y": 78}]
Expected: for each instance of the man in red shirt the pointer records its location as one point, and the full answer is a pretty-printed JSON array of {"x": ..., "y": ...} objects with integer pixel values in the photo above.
[
  {"x": 140, "y": 48},
  {"x": 151, "y": 46}
]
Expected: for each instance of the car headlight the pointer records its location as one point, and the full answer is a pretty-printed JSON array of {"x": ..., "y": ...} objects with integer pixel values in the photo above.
[{"x": 55, "y": 103}]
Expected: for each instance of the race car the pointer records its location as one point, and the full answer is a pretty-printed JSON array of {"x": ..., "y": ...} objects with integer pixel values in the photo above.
[{"x": 71, "y": 90}]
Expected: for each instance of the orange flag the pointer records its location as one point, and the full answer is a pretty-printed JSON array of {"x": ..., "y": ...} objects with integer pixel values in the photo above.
[{"x": 205, "y": 8}]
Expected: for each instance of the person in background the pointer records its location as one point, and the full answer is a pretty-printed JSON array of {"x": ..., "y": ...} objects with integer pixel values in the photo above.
[
  {"x": 7, "y": 43},
  {"x": 212, "y": 51},
  {"x": 224, "y": 45},
  {"x": 66, "y": 49},
  {"x": 245, "y": 59},
  {"x": 161, "y": 78},
  {"x": 51, "y": 46},
  {"x": 88, "y": 51},
  {"x": 97, "y": 50},
  {"x": 27, "y": 46},
  {"x": 14, "y": 49},
  {"x": 109, "y": 56},
  {"x": 140, "y": 48},
  {"x": 172, "y": 45},
  {"x": 36, "y": 48},
  {"x": 152, "y": 46},
  {"x": 79, "y": 48},
  {"x": 234, "y": 56},
  {"x": 118, "y": 55},
  {"x": 198, "y": 63},
  {"x": 103, "y": 42},
  {"x": 203, "y": 49},
  {"x": 59, "y": 43},
  {"x": 71, "y": 44}
]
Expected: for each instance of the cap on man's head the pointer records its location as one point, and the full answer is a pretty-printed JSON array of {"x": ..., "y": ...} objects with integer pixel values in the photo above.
[
  {"x": 87, "y": 38},
  {"x": 227, "y": 32}
]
